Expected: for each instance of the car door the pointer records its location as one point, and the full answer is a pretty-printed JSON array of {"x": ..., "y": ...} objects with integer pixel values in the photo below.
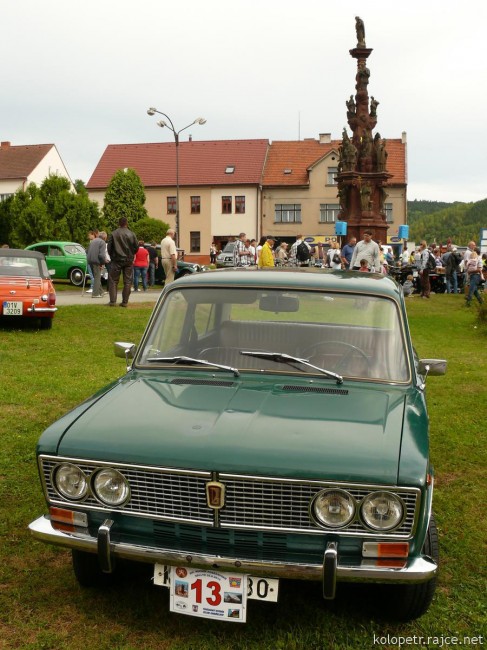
[{"x": 56, "y": 261}]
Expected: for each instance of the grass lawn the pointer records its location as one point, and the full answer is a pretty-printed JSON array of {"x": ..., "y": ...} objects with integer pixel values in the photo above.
[{"x": 45, "y": 373}]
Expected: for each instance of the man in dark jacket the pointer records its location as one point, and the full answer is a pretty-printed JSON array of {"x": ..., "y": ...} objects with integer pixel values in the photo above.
[
  {"x": 122, "y": 246},
  {"x": 452, "y": 261}
]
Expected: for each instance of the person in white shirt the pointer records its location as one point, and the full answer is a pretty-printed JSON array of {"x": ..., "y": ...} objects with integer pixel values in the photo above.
[
  {"x": 366, "y": 249},
  {"x": 169, "y": 255}
]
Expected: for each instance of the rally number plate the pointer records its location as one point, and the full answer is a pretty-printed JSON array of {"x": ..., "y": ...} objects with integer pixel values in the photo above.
[{"x": 213, "y": 594}]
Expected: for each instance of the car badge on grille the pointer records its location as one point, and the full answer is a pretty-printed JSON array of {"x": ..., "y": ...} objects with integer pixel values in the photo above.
[
  {"x": 215, "y": 495},
  {"x": 13, "y": 292}
]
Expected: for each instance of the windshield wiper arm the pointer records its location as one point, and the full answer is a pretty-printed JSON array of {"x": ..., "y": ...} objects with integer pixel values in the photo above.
[
  {"x": 190, "y": 360},
  {"x": 288, "y": 358}
]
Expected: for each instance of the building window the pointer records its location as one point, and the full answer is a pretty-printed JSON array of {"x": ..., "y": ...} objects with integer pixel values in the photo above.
[
  {"x": 287, "y": 213},
  {"x": 230, "y": 169},
  {"x": 195, "y": 242},
  {"x": 388, "y": 212},
  {"x": 240, "y": 205},
  {"x": 195, "y": 204},
  {"x": 329, "y": 212},
  {"x": 4, "y": 197},
  {"x": 171, "y": 205},
  {"x": 332, "y": 172},
  {"x": 226, "y": 205}
]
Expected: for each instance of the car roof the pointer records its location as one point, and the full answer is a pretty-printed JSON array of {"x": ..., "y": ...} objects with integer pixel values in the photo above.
[
  {"x": 20, "y": 252},
  {"x": 39, "y": 243},
  {"x": 304, "y": 278}
]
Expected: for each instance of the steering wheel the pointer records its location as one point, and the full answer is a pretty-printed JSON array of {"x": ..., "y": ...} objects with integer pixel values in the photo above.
[{"x": 324, "y": 348}]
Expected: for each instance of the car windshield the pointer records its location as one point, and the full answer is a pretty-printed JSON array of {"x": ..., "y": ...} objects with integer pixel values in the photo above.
[
  {"x": 229, "y": 247},
  {"x": 20, "y": 266},
  {"x": 359, "y": 336}
]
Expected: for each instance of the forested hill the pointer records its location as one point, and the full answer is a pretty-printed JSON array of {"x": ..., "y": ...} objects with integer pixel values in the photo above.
[{"x": 437, "y": 221}]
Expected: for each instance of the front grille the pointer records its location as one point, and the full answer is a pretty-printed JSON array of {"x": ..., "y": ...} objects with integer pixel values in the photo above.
[{"x": 251, "y": 503}]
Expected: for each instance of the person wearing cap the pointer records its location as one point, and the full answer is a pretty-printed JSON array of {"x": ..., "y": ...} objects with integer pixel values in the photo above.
[{"x": 266, "y": 257}]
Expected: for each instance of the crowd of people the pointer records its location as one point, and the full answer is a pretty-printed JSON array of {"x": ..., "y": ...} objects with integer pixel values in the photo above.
[{"x": 368, "y": 255}]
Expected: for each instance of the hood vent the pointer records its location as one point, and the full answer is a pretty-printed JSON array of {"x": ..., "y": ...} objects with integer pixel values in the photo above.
[
  {"x": 315, "y": 389},
  {"x": 203, "y": 382}
]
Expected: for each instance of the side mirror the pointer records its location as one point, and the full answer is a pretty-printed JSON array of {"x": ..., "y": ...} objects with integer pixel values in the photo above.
[
  {"x": 125, "y": 351},
  {"x": 432, "y": 367}
]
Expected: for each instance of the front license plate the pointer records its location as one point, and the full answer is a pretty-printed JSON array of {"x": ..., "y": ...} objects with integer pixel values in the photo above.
[
  {"x": 213, "y": 594},
  {"x": 12, "y": 308}
]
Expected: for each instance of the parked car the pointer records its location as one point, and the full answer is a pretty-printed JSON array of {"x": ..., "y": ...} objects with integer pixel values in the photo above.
[
  {"x": 67, "y": 259},
  {"x": 26, "y": 289},
  {"x": 283, "y": 434},
  {"x": 184, "y": 268},
  {"x": 225, "y": 258}
]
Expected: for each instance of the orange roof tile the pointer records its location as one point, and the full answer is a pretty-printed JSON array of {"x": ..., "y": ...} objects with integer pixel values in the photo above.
[
  {"x": 299, "y": 155},
  {"x": 200, "y": 163}
]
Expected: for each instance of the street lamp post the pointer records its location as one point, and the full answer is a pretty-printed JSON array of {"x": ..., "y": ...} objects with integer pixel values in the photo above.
[{"x": 169, "y": 124}]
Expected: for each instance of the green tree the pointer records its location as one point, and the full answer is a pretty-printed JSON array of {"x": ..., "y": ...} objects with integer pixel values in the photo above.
[
  {"x": 52, "y": 211},
  {"x": 151, "y": 230},
  {"x": 125, "y": 197},
  {"x": 5, "y": 221}
]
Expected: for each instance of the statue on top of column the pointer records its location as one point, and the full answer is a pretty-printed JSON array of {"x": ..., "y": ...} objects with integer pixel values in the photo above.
[{"x": 360, "y": 29}]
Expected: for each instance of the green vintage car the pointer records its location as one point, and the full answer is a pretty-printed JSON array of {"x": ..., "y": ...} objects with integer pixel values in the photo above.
[
  {"x": 271, "y": 424},
  {"x": 66, "y": 260}
]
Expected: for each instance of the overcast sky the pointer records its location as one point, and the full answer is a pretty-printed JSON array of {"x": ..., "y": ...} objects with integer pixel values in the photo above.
[{"x": 81, "y": 75}]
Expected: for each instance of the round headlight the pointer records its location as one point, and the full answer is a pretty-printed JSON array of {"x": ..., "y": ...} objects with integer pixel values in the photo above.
[
  {"x": 70, "y": 481},
  {"x": 334, "y": 508},
  {"x": 382, "y": 510},
  {"x": 111, "y": 487}
]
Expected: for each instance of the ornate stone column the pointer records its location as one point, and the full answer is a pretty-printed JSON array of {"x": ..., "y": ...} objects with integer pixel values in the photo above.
[{"x": 362, "y": 171}]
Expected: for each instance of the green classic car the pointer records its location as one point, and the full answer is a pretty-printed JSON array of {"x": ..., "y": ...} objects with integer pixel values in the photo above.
[
  {"x": 271, "y": 424},
  {"x": 66, "y": 260}
]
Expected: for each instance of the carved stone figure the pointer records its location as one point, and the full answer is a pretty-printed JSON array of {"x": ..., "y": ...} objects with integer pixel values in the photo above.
[
  {"x": 360, "y": 29},
  {"x": 373, "y": 107},
  {"x": 343, "y": 196},
  {"x": 362, "y": 78},
  {"x": 381, "y": 154},
  {"x": 365, "y": 192},
  {"x": 366, "y": 149},
  {"x": 351, "y": 107}
]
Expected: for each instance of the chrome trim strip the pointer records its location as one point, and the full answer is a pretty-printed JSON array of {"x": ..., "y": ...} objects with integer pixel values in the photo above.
[
  {"x": 35, "y": 310},
  {"x": 415, "y": 569}
]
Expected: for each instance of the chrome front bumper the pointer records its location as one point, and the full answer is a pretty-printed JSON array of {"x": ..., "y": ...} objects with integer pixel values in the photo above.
[
  {"x": 333, "y": 569},
  {"x": 41, "y": 310}
]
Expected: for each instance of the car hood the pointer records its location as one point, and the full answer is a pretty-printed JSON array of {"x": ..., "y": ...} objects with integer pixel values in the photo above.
[{"x": 295, "y": 429}]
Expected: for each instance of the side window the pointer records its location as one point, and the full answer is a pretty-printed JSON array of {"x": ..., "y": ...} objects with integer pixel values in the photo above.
[
  {"x": 55, "y": 251},
  {"x": 41, "y": 249}
]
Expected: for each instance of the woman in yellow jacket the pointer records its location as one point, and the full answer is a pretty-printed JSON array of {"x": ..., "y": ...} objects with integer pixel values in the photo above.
[{"x": 266, "y": 257}]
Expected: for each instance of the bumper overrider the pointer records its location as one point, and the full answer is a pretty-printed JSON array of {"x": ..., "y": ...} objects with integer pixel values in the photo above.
[{"x": 333, "y": 569}]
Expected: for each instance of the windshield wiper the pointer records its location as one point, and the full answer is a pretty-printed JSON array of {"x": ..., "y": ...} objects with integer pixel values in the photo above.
[
  {"x": 190, "y": 360},
  {"x": 287, "y": 358}
]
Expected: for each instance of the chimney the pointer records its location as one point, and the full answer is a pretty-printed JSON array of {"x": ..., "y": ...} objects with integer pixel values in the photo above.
[
  {"x": 404, "y": 138},
  {"x": 190, "y": 139},
  {"x": 5, "y": 145},
  {"x": 325, "y": 138}
]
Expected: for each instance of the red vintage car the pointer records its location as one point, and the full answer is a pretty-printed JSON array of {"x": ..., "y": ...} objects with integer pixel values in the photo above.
[{"x": 26, "y": 288}]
